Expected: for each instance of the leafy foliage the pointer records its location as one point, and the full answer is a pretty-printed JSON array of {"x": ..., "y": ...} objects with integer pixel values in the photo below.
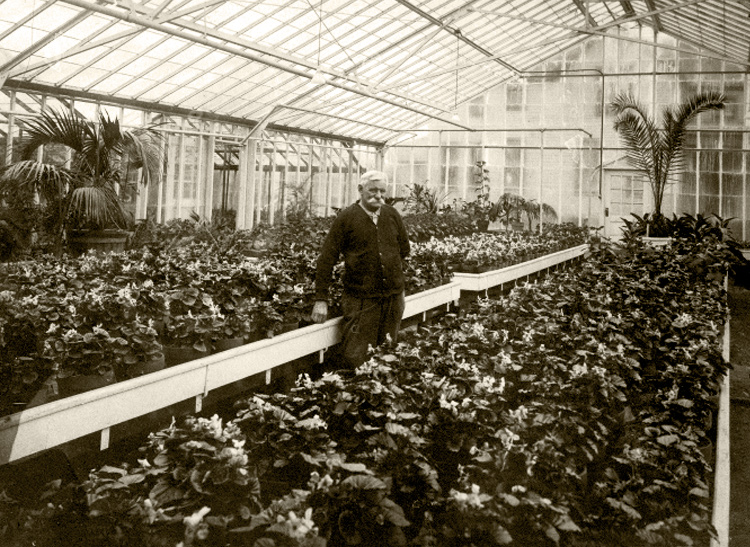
[
  {"x": 569, "y": 412},
  {"x": 82, "y": 193},
  {"x": 657, "y": 152}
]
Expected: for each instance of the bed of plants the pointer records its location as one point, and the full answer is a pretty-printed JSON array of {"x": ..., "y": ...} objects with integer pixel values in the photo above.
[
  {"x": 485, "y": 251},
  {"x": 185, "y": 286},
  {"x": 571, "y": 412}
]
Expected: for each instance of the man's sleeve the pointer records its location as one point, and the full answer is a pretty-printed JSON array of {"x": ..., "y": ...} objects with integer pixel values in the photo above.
[
  {"x": 403, "y": 236},
  {"x": 329, "y": 256}
]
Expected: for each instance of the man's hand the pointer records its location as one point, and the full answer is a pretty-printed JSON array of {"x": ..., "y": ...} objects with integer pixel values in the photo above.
[{"x": 319, "y": 311}]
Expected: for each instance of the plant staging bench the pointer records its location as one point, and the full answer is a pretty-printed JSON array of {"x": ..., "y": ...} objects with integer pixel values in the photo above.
[
  {"x": 55, "y": 423},
  {"x": 496, "y": 278},
  {"x": 39, "y": 428}
]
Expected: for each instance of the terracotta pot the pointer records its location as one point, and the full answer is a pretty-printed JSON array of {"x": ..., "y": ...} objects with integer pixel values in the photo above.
[
  {"x": 175, "y": 355},
  {"x": 141, "y": 368},
  {"x": 708, "y": 452},
  {"x": 227, "y": 343},
  {"x": 104, "y": 241},
  {"x": 72, "y": 385},
  {"x": 288, "y": 326}
]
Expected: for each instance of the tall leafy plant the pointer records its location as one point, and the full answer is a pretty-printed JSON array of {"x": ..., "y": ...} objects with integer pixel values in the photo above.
[
  {"x": 80, "y": 191},
  {"x": 658, "y": 152}
]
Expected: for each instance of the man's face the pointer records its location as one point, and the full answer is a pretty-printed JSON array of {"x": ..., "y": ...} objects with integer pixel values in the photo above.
[{"x": 372, "y": 194}]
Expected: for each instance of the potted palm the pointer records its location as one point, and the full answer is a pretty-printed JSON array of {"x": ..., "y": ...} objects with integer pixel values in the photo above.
[
  {"x": 78, "y": 186},
  {"x": 657, "y": 152},
  {"x": 507, "y": 209}
]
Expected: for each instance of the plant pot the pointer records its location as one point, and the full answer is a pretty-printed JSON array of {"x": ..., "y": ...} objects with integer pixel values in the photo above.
[
  {"x": 227, "y": 343},
  {"x": 707, "y": 450},
  {"x": 657, "y": 241},
  {"x": 255, "y": 253},
  {"x": 101, "y": 241},
  {"x": 288, "y": 326},
  {"x": 72, "y": 385},
  {"x": 468, "y": 268},
  {"x": 145, "y": 367},
  {"x": 175, "y": 355}
]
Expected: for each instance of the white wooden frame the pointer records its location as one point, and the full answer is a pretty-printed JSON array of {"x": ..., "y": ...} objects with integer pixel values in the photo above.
[
  {"x": 39, "y": 428},
  {"x": 487, "y": 280},
  {"x": 52, "y": 424}
]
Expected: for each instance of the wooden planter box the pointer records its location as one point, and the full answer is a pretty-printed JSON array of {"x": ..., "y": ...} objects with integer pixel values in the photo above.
[
  {"x": 487, "y": 280},
  {"x": 39, "y": 428}
]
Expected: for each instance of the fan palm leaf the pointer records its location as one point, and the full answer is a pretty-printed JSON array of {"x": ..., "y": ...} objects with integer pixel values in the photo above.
[
  {"x": 83, "y": 192},
  {"x": 98, "y": 205},
  {"x": 657, "y": 152}
]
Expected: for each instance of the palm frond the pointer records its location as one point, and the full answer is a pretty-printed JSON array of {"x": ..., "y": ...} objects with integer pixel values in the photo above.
[
  {"x": 145, "y": 151},
  {"x": 676, "y": 121},
  {"x": 658, "y": 152},
  {"x": 97, "y": 205},
  {"x": 47, "y": 179},
  {"x": 54, "y": 127},
  {"x": 639, "y": 132}
]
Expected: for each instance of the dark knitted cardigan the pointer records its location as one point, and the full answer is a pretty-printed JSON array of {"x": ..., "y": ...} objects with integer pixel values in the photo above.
[{"x": 372, "y": 253}]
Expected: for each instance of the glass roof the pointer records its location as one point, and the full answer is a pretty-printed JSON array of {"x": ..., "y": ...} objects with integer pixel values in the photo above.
[{"x": 360, "y": 70}]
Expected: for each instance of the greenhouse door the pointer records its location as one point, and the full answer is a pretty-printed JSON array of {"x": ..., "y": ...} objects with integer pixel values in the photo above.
[{"x": 624, "y": 195}]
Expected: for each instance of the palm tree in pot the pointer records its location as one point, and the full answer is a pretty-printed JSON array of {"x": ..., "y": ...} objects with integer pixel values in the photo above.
[
  {"x": 79, "y": 192},
  {"x": 658, "y": 152}
]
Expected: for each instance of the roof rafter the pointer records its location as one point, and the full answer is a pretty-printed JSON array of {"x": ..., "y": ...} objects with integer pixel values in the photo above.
[{"x": 234, "y": 50}]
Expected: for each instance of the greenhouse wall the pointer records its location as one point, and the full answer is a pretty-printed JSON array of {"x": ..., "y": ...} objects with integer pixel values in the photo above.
[
  {"x": 283, "y": 174},
  {"x": 546, "y": 135},
  {"x": 547, "y": 125}
]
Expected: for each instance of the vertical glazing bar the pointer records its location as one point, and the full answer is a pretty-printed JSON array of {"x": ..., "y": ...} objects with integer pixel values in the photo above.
[
  {"x": 744, "y": 193},
  {"x": 326, "y": 151},
  {"x": 11, "y": 132},
  {"x": 272, "y": 184},
  {"x": 697, "y": 173},
  {"x": 252, "y": 175},
  {"x": 580, "y": 187},
  {"x": 260, "y": 181},
  {"x": 541, "y": 180}
]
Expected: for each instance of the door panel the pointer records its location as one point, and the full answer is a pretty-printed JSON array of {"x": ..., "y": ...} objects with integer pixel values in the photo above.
[{"x": 623, "y": 196}]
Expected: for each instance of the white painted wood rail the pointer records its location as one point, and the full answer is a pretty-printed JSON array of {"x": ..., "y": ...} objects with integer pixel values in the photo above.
[
  {"x": 487, "y": 280},
  {"x": 722, "y": 465},
  {"x": 39, "y": 428}
]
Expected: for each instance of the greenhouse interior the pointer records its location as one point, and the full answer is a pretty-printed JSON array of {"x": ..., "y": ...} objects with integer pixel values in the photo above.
[{"x": 557, "y": 250}]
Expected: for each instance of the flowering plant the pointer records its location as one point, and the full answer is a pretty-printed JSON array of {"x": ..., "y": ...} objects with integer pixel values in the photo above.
[
  {"x": 83, "y": 351},
  {"x": 193, "y": 321}
]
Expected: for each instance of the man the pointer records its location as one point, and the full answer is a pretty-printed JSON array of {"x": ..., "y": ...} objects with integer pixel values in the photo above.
[{"x": 373, "y": 241}]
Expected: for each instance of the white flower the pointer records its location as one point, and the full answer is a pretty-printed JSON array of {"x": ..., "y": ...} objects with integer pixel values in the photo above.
[
  {"x": 579, "y": 370},
  {"x": 196, "y": 518},
  {"x": 520, "y": 414},
  {"x": 474, "y": 499},
  {"x": 312, "y": 423},
  {"x": 234, "y": 456},
  {"x": 299, "y": 527},
  {"x": 304, "y": 380},
  {"x": 505, "y": 359},
  {"x": 445, "y": 403}
]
